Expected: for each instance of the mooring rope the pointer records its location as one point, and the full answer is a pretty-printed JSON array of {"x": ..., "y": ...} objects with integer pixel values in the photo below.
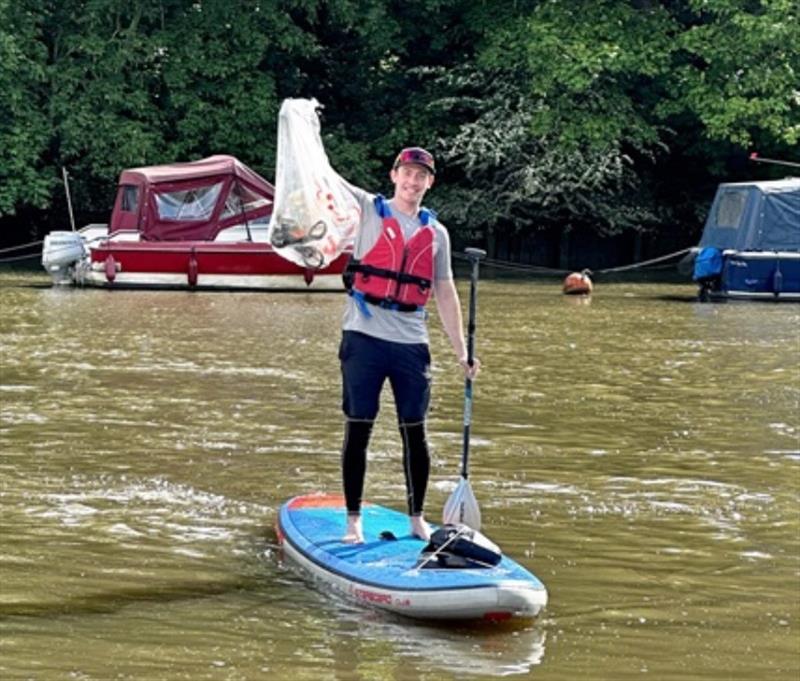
[
  {"x": 510, "y": 265},
  {"x": 20, "y": 257},
  {"x": 537, "y": 269},
  {"x": 19, "y": 247},
  {"x": 645, "y": 263},
  {"x": 490, "y": 262}
]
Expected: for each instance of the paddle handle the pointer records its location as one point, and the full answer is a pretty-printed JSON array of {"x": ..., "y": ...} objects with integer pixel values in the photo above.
[{"x": 474, "y": 255}]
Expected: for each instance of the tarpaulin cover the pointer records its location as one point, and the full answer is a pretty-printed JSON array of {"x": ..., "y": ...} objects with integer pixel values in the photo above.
[
  {"x": 190, "y": 201},
  {"x": 708, "y": 264},
  {"x": 755, "y": 216}
]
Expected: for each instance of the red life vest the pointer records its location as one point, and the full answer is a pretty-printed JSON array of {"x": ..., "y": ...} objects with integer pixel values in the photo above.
[{"x": 395, "y": 273}]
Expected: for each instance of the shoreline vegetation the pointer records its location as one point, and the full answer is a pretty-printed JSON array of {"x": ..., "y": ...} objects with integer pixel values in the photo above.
[{"x": 569, "y": 135}]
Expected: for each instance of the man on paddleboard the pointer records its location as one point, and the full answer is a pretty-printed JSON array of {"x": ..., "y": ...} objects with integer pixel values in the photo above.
[{"x": 401, "y": 257}]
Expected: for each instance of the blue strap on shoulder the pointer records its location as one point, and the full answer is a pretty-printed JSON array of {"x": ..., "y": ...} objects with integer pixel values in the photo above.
[
  {"x": 426, "y": 216},
  {"x": 382, "y": 206}
]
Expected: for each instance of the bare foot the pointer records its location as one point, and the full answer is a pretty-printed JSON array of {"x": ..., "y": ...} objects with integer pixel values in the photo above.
[
  {"x": 419, "y": 528},
  {"x": 354, "y": 534}
]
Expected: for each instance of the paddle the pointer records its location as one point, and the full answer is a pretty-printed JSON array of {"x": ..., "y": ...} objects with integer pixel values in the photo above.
[{"x": 462, "y": 507}]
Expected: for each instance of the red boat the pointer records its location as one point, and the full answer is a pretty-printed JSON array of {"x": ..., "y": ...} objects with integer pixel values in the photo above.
[{"x": 198, "y": 225}]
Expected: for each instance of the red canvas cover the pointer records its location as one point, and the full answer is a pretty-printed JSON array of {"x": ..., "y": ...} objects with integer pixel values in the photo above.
[{"x": 190, "y": 201}]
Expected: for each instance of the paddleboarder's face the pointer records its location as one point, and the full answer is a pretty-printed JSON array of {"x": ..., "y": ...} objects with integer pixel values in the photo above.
[{"x": 411, "y": 181}]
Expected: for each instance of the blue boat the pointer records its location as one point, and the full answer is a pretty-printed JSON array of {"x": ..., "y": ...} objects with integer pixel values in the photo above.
[
  {"x": 750, "y": 248},
  {"x": 402, "y": 574}
]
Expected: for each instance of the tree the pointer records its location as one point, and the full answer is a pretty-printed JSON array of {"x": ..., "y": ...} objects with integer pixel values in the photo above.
[
  {"x": 557, "y": 126},
  {"x": 606, "y": 114},
  {"x": 615, "y": 114},
  {"x": 737, "y": 70},
  {"x": 24, "y": 127}
]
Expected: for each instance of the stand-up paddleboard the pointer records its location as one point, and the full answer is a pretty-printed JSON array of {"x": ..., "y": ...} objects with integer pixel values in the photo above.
[{"x": 390, "y": 572}]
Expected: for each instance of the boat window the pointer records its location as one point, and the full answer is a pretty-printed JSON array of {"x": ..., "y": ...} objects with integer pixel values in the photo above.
[
  {"x": 130, "y": 198},
  {"x": 242, "y": 199},
  {"x": 730, "y": 208},
  {"x": 189, "y": 204}
]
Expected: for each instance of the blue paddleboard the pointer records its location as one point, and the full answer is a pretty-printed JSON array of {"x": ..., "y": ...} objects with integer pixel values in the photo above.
[{"x": 388, "y": 571}]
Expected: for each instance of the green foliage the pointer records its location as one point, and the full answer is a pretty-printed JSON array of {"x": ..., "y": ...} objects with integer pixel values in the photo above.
[
  {"x": 523, "y": 181},
  {"x": 212, "y": 95},
  {"x": 555, "y": 115},
  {"x": 738, "y": 71},
  {"x": 613, "y": 114},
  {"x": 589, "y": 66},
  {"x": 149, "y": 82},
  {"x": 24, "y": 129},
  {"x": 578, "y": 112},
  {"x": 101, "y": 76}
]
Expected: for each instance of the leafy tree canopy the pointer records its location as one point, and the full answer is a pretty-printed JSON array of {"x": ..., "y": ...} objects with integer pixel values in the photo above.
[{"x": 545, "y": 113}]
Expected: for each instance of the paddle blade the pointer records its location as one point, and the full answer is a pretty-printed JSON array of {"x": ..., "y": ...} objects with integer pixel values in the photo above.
[{"x": 462, "y": 507}]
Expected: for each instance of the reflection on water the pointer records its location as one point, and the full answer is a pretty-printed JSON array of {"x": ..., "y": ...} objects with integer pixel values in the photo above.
[
  {"x": 489, "y": 652},
  {"x": 637, "y": 451},
  {"x": 371, "y": 644}
]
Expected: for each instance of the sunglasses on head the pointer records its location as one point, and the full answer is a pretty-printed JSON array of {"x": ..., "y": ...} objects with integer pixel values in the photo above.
[{"x": 419, "y": 156}]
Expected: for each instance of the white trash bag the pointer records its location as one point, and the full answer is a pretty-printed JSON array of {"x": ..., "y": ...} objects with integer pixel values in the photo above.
[{"x": 315, "y": 216}]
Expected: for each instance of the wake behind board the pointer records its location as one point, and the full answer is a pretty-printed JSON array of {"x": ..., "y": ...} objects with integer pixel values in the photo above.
[{"x": 383, "y": 572}]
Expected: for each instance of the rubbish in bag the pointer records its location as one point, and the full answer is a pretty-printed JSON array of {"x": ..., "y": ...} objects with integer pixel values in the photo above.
[
  {"x": 315, "y": 216},
  {"x": 288, "y": 233}
]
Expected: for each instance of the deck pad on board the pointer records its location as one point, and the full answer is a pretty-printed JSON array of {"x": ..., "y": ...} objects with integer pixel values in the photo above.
[{"x": 315, "y": 524}]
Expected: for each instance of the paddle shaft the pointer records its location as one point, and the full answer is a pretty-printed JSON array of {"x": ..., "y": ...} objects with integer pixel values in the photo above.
[{"x": 474, "y": 255}]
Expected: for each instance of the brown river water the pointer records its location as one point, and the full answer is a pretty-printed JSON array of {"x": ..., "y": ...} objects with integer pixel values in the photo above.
[{"x": 639, "y": 452}]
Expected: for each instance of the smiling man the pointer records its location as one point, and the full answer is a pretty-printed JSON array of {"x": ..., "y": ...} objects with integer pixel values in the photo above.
[{"x": 401, "y": 257}]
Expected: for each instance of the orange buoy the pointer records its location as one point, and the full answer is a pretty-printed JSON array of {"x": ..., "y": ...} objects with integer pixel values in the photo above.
[{"x": 578, "y": 283}]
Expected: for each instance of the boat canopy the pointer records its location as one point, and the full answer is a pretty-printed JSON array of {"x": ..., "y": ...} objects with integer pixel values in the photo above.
[
  {"x": 190, "y": 201},
  {"x": 755, "y": 216}
]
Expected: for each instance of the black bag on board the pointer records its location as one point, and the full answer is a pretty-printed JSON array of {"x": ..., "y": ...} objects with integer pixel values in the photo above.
[{"x": 459, "y": 546}]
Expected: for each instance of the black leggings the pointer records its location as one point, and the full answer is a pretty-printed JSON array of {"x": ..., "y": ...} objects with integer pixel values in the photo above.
[{"x": 416, "y": 463}]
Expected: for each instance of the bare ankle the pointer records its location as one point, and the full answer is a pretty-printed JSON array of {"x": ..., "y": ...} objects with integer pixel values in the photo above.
[
  {"x": 354, "y": 534},
  {"x": 420, "y": 527}
]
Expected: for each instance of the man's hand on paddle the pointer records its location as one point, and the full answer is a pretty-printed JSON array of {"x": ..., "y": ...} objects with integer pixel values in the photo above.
[{"x": 470, "y": 371}]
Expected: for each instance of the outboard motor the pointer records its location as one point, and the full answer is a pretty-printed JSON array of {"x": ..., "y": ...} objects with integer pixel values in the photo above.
[
  {"x": 61, "y": 251},
  {"x": 459, "y": 546}
]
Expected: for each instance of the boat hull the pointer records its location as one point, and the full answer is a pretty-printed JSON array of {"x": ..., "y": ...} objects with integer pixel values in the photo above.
[
  {"x": 750, "y": 247},
  {"x": 757, "y": 275},
  {"x": 92, "y": 258},
  {"x": 203, "y": 265},
  {"x": 383, "y": 573}
]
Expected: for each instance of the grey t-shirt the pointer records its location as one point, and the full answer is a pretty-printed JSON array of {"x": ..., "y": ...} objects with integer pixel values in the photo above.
[{"x": 392, "y": 325}]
